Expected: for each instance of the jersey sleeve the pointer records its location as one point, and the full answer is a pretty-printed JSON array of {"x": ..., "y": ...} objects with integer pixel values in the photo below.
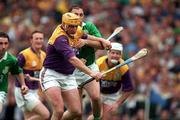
[
  {"x": 62, "y": 47},
  {"x": 92, "y": 29},
  {"x": 127, "y": 84},
  {"x": 21, "y": 60}
]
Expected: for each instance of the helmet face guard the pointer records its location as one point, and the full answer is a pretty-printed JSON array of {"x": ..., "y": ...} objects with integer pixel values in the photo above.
[{"x": 70, "y": 21}]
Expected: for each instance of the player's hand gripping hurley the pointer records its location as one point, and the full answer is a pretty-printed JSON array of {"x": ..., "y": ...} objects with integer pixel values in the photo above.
[{"x": 142, "y": 53}]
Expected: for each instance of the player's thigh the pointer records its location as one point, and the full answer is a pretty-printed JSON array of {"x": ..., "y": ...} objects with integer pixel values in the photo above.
[
  {"x": 93, "y": 89},
  {"x": 72, "y": 99},
  {"x": 41, "y": 110},
  {"x": 1, "y": 107},
  {"x": 106, "y": 114},
  {"x": 53, "y": 95}
]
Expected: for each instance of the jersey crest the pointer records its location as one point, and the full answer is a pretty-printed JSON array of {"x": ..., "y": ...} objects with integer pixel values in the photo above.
[
  {"x": 5, "y": 70},
  {"x": 34, "y": 63},
  {"x": 1, "y": 78}
]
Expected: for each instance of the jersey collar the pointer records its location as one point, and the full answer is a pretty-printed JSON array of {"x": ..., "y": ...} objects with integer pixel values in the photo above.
[
  {"x": 4, "y": 57},
  {"x": 83, "y": 24},
  {"x": 37, "y": 53}
]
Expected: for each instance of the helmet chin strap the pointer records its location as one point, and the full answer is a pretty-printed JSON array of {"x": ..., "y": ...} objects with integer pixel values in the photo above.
[{"x": 113, "y": 61}]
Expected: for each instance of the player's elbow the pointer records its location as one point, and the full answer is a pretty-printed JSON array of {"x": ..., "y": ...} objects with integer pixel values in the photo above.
[
  {"x": 74, "y": 61},
  {"x": 130, "y": 92}
]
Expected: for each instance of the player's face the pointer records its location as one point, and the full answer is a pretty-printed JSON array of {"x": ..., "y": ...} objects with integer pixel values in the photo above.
[
  {"x": 37, "y": 40},
  {"x": 4, "y": 43},
  {"x": 114, "y": 56},
  {"x": 79, "y": 12},
  {"x": 71, "y": 29}
]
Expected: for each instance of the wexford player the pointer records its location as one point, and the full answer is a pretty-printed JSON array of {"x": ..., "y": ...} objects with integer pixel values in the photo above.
[
  {"x": 31, "y": 60},
  {"x": 58, "y": 81},
  {"x": 116, "y": 86}
]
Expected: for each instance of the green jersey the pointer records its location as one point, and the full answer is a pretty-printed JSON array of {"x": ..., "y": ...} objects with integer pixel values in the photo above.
[
  {"x": 87, "y": 52},
  {"x": 8, "y": 64}
]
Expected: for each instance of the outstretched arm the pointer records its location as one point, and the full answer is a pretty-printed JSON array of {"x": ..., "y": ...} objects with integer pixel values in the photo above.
[
  {"x": 103, "y": 42},
  {"x": 80, "y": 65},
  {"x": 24, "y": 88}
]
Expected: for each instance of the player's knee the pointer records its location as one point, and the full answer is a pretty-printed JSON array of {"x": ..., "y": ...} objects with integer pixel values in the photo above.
[
  {"x": 76, "y": 113},
  {"x": 95, "y": 98},
  {"x": 46, "y": 115},
  {"x": 58, "y": 112}
]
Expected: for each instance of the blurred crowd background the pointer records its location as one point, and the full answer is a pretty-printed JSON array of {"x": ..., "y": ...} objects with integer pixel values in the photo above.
[{"x": 153, "y": 24}]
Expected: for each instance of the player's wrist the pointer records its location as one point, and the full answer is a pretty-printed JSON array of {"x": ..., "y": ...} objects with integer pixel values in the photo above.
[{"x": 85, "y": 42}]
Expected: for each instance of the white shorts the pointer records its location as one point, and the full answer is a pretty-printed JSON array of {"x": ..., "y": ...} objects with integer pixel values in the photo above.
[
  {"x": 26, "y": 102},
  {"x": 2, "y": 97},
  {"x": 81, "y": 76},
  {"x": 110, "y": 99},
  {"x": 50, "y": 78}
]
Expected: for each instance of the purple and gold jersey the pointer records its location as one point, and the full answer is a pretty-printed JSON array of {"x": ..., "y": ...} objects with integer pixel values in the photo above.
[
  {"x": 31, "y": 62},
  {"x": 115, "y": 80},
  {"x": 59, "y": 51}
]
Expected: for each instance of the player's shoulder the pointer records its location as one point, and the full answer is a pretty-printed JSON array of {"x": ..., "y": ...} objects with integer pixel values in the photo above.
[
  {"x": 100, "y": 60},
  {"x": 43, "y": 52},
  {"x": 58, "y": 34},
  {"x": 89, "y": 24},
  {"x": 124, "y": 68},
  {"x": 25, "y": 51},
  {"x": 11, "y": 57}
]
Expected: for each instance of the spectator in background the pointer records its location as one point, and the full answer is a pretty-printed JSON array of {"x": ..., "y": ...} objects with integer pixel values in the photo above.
[
  {"x": 116, "y": 86},
  {"x": 31, "y": 61}
]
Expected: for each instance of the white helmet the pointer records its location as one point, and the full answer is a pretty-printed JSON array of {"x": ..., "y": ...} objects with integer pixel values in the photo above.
[{"x": 117, "y": 46}]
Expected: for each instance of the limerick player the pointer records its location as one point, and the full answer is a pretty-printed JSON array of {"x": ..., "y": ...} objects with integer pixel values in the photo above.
[
  {"x": 87, "y": 54},
  {"x": 31, "y": 60},
  {"x": 116, "y": 86},
  {"x": 8, "y": 64}
]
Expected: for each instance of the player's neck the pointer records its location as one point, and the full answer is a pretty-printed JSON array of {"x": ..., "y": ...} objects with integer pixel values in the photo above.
[
  {"x": 110, "y": 64},
  {"x": 36, "y": 50},
  {"x": 1, "y": 55}
]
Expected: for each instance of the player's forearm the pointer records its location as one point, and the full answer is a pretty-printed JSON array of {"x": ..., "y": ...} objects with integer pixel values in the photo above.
[
  {"x": 124, "y": 97},
  {"x": 35, "y": 79},
  {"x": 94, "y": 44},
  {"x": 94, "y": 38},
  {"x": 21, "y": 79},
  {"x": 32, "y": 78},
  {"x": 80, "y": 65},
  {"x": 104, "y": 43}
]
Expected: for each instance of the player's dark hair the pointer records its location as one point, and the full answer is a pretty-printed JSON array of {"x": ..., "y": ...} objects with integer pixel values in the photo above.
[
  {"x": 4, "y": 35},
  {"x": 74, "y": 7},
  {"x": 36, "y": 31}
]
